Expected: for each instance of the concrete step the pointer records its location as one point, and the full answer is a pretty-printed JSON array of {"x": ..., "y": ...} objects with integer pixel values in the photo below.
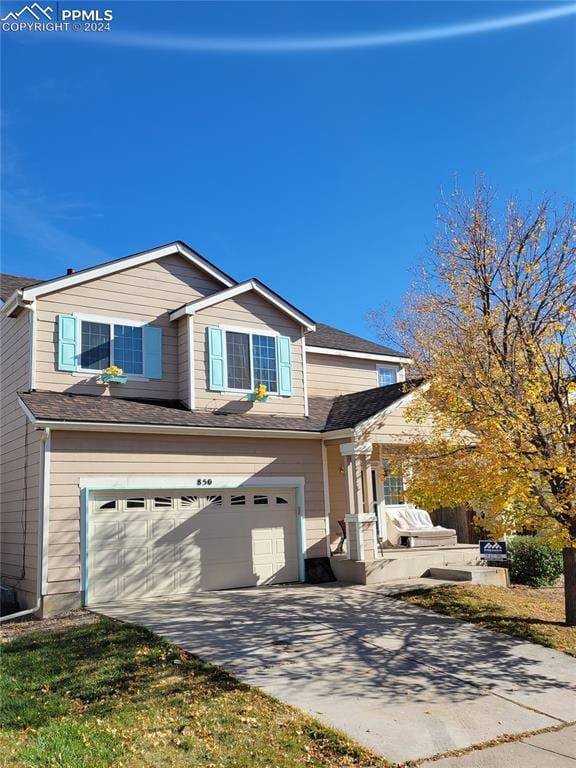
[{"x": 477, "y": 574}]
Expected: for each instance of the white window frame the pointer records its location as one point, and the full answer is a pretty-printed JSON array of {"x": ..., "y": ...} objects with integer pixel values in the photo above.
[
  {"x": 111, "y": 323},
  {"x": 250, "y": 333},
  {"x": 386, "y": 367}
]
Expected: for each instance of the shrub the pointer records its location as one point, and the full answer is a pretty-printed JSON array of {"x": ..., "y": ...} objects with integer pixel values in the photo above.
[{"x": 533, "y": 562}]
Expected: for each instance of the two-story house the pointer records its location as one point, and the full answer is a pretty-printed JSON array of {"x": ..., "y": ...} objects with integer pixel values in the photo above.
[{"x": 177, "y": 476}]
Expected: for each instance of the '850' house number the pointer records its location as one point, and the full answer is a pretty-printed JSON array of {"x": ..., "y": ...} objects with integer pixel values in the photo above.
[{"x": 203, "y": 481}]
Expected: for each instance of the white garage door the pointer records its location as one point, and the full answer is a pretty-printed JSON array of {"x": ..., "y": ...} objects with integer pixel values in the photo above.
[{"x": 161, "y": 543}]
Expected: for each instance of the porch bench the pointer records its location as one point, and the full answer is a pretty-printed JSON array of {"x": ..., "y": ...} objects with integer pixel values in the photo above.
[{"x": 412, "y": 527}]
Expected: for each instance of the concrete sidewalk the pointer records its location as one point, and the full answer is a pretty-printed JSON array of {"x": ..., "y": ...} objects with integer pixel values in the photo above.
[
  {"x": 553, "y": 750},
  {"x": 404, "y": 681}
]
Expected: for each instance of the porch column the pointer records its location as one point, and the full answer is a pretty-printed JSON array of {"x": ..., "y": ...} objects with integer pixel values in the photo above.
[{"x": 360, "y": 519}]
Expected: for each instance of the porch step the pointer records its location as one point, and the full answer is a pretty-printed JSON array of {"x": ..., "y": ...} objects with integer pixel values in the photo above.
[{"x": 477, "y": 574}]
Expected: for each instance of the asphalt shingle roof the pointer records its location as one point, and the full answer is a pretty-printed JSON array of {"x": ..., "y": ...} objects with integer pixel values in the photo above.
[
  {"x": 326, "y": 414},
  {"x": 11, "y": 283},
  {"x": 349, "y": 410},
  {"x": 327, "y": 336}
]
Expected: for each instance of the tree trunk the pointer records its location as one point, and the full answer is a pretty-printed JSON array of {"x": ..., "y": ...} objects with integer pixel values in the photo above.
[{"x": 569, "y": 556}]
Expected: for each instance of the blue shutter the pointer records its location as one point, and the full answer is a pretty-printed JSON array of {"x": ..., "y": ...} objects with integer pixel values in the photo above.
[
  {"x": 67, "y": 335},
  {"x": 152, "y": 352},
  {"x": 284, "y": 348},
  {"x": 216, "y": 365}
]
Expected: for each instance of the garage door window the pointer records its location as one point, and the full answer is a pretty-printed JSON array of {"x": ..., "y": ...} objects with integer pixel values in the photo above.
[
  {"x": 107, "y": 504},
  {"x": 163, "y": 502},
  {"x": 189, "y": 502},
  {"x": 281, "y": 500},
  {"x": 214, "y": 500},
  {"x": 238, "y": 500},
  {"x": 258, "y": 499},
  {"x": 135, "y": 503}
]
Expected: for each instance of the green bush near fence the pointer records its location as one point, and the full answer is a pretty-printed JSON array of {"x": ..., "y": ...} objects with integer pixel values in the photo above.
[{"x": 533, "y": 562}]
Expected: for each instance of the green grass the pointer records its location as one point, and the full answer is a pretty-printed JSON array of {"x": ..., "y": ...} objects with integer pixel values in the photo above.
[
  {"x": 536, "y": 615},
  {"x": 111, "y": 694}
]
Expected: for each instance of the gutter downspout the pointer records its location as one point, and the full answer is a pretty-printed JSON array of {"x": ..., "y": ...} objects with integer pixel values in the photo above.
[{"x": 42, "y": 529}]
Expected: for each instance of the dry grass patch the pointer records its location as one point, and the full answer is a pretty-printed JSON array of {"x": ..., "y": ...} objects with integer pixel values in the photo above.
[{"x": 531, "y": 614}]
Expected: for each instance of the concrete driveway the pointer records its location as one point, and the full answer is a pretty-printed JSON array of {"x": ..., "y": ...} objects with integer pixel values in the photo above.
[{"x": 401, "y": 680}]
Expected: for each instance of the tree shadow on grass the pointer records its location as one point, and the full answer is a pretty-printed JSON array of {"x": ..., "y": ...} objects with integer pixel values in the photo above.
[
  {"x": 45, "y": 676},
  {"x": 493, "y": 616}
]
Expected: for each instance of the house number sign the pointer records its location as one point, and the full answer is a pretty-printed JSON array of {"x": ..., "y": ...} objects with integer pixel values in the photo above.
[{"x": 203, "y": 481}]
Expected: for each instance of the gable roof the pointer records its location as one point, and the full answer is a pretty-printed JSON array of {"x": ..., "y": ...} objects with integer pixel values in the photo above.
[
  {"x": 325, "y": 336},
  {"x": 31, "y": 291},
  {"x": 254, "y": 285},
  {"x": 11, "y": 283},
  {"x": 326, "y": 414},
  {"x": 350, "y": 410}
]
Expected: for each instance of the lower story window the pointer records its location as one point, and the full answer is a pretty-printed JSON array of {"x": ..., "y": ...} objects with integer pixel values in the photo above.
[{"x": 393, "y": 487}]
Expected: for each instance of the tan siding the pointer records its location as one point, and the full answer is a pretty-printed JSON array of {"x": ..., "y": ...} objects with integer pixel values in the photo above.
[
  {"x": 251, "y": 312},
  {"x": 147, "y": 293},
  {"x": 330, "y": 375},
  {"x": 76, "y": 455},
  {"x": 183, "y": 361},
  {"x": 395, "y": 429},
  {"x": 20, "y": 461}
]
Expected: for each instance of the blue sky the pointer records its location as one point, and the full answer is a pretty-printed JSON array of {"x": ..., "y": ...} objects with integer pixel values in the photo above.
[{"x": 316, "y": 170}]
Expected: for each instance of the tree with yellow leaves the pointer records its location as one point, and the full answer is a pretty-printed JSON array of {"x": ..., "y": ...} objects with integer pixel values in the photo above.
[{"x": 491, "y": 325}]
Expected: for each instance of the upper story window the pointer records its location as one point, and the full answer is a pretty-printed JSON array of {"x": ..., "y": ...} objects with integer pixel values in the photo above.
[
  {"x": 387, "y": 374},
  {"x": 88, "y": 344},
  {"x": 239, "y": 361},
  {"x": 250, "y": 360},
  {"x": 104, "y": 344}
]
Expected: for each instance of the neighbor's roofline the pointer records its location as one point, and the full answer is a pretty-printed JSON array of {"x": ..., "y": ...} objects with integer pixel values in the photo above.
[
  {"x": 236, "y": 290},
  {"x": 117, "y": 265}
]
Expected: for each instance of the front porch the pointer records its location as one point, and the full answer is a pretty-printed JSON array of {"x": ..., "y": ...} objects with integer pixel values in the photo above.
[
  {"x": 396, "y": 563},
  {"x": 370, "y": 508}
]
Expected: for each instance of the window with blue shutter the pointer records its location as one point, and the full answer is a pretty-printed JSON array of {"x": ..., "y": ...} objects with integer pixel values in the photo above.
[
  {"x": 216, "y": 362},
  {"x": 239, "y": 362},
  {"x": 67, "y": 336},
  {"x": 284, "y": 365},
  {"x": 91, "y": 346}
]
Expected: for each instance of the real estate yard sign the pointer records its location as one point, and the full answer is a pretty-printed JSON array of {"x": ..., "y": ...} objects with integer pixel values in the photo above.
[{"x": 493, "y": 550}]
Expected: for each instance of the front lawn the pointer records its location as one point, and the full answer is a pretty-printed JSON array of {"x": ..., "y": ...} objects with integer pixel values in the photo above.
[
  {"x": 536, "y": 615},
  {"x": 111, "y": 694}
]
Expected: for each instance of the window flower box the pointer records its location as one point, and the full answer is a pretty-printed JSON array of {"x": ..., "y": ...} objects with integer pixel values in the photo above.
[
  {"x": 113, "y": 375},
  {"x": 260, "y": 394}
]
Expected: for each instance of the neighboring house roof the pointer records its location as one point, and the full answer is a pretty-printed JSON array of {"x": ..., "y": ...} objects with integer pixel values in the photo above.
[
  {"x": 326, "y": 414},
  {"x": 325, "y": 336},
  {"x": 11, "y": 283},
  {"x": 253, "y": 285}
]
